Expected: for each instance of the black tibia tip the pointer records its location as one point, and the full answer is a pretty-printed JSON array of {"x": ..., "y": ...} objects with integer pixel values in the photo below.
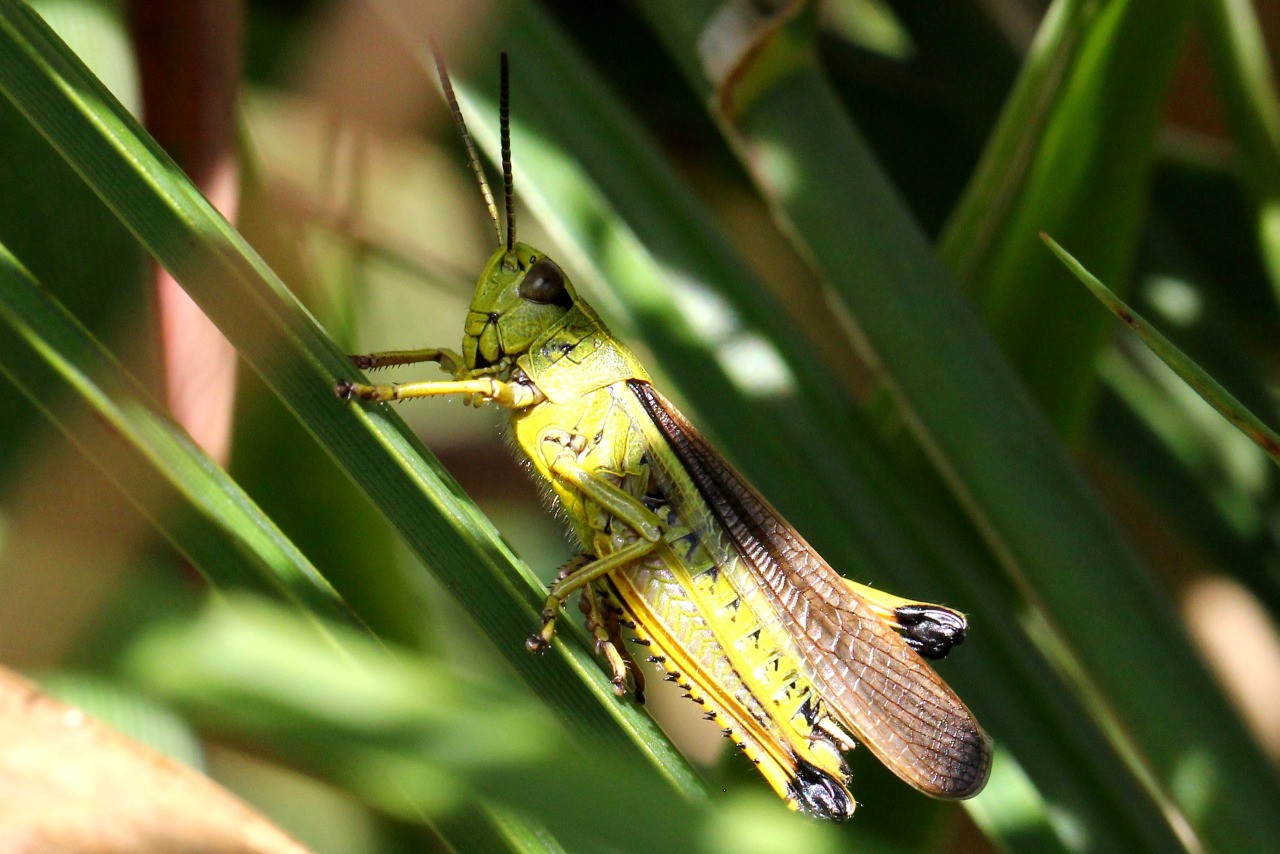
[
  {"x": 931, "y": 630},
  {"x": 344, "y": 389},
  {"x": 537, "y": 643},
  {"x": 364, "y": 363},
  {"x": 820, "y": 795}
]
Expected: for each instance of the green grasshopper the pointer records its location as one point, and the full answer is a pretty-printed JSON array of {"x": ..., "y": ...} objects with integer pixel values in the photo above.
[{"x": 793, "y": 661}]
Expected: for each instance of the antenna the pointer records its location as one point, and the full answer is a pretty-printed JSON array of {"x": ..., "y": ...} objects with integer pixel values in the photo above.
[
  {"x": 472, "y": 156},
  {"x": 504, "y": 119}
]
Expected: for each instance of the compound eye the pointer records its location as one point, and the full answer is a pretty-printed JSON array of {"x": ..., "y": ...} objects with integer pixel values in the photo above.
[{"x": 544, "y": 283}]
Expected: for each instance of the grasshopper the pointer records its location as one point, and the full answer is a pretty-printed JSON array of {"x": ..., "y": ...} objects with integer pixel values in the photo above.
[{"x": 794, "y": 662}]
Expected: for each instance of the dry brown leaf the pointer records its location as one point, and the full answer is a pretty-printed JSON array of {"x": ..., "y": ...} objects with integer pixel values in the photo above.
[{"x": 71, "y": 784}]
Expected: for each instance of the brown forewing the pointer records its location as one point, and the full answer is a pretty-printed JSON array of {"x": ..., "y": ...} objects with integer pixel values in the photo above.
[{"x": 873, "y": 683}]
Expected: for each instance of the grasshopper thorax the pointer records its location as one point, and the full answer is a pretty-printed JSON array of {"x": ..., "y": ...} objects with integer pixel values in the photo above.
[{"x": 521, "y": 294}]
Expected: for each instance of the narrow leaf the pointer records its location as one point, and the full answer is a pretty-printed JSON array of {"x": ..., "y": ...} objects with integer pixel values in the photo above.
[{"x": 1191, "y": 373}]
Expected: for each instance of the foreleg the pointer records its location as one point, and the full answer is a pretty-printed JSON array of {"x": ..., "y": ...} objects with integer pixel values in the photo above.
[{"x": 505, "y": 394}]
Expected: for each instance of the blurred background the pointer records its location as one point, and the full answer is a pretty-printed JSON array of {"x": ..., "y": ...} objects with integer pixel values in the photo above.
[{"x": 1144, "y": 136}]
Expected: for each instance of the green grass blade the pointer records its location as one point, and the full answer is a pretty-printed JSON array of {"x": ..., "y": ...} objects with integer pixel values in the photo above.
[
  {"x": 51, "y": 357},
  {"x": 1192, "y": 374},
  {"x": 1072, "y": 155},
  {"x": 519, "y": 833},
  {"x": 54, "y": 223},
  {"x": 281, "y": 341}
]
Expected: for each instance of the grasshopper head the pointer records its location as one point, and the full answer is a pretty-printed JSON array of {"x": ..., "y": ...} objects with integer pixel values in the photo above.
[{"x": 521, "y": 294}]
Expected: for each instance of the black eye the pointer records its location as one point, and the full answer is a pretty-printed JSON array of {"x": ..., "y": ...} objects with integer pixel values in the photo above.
[{"x": 544, "y": 283}]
